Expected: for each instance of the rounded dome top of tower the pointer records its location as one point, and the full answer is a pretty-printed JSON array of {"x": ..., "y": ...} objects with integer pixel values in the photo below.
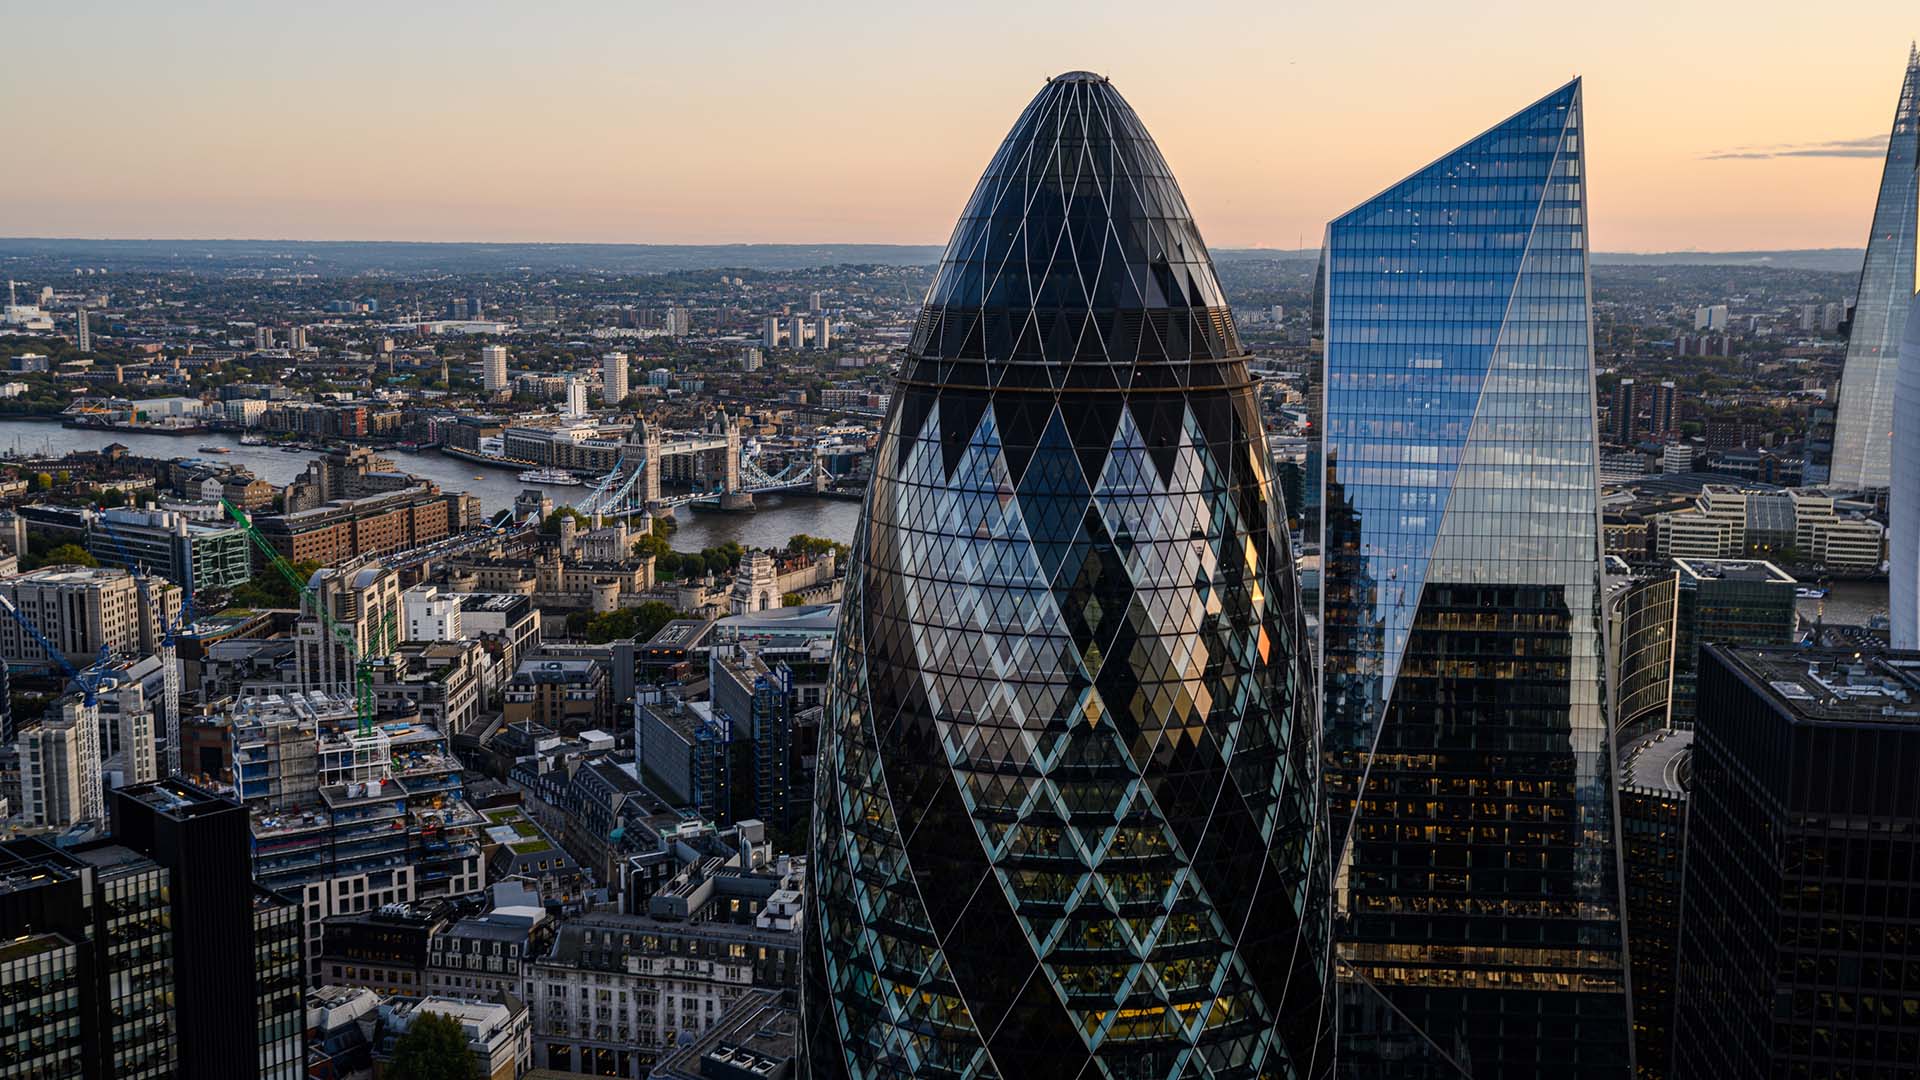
[{"x": 1076, "y": 249}]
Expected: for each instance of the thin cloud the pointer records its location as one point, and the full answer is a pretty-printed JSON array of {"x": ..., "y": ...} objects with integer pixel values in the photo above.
[{"x": 1867, "y": 146}]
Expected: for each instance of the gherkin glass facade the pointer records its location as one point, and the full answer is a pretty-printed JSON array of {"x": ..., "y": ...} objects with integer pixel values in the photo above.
[
  {"x": 1863, "y": 429},
  {"x": 1069, "y": 817},
  {"x": 1477, "y": 886}
]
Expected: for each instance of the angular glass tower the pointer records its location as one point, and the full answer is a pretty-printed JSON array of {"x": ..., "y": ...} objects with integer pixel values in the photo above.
[
  {"x": 1069, "y": 819},
  {"x": 1862, "y": 432},
  {"x": 1476, "y": 877},
  {"x": 1903, "y": 495}
]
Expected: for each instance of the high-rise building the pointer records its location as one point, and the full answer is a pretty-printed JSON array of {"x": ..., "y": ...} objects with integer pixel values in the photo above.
[
  {"x": 234, "y": 942},
  {"x": 80, "y": 609},
  {"x": 82, "y": 331},
  {"x": 1796, "y": 924},
  {"x": 1067, "y": 788},
  {"x": 1863, "y": 433},
  {"x": 770, "y": 334},
  {"x": 296, "y": 338},
  {"x": 613, "y": 377},
  {"x": 676, "y": 321},
  {"x": 263, "y": 338},
  {"x": 1664, "y": 423},
  {"x": 576, "y": 398},
  {"x": 1662, "y": 620},
  {"x": 1903, "y": 495},
  {"x": 493, "y": 368},
  {"x": 797, "y": 332},
  {"x": 822, "y": 333},
  {"x": 1710, "y": 318},
  {"x": 1477, "y": 897},
  {"x": 362, "y": 599},
  {"x": 813, "y": 302},
  {"x": 87, "y": 976},
  {"x": 1656, "y": 772},
  {"x": 1626, "y": 413},
  {"x": 60, "y": 768},
  {"x": 751, "y": 359}
]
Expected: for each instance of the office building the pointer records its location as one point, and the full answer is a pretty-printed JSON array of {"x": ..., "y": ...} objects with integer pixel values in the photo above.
[
  {"x": 1664, "y": 619},
  {"x": 1796, "y": 920},
  {"x": 493, "y": 368},
  {"x": 613, "y": 377},
  {"x": 1903, "y": 495},
  {"x": 1863, "y": 432},
  {"x": 81, "y": 609},
  {"x": 1071, "y": 662},
  {"x": 1656, "y": 771},
  {"x": 87, "y": 972},
  {"x": 756, "y": 702},
  {"x": 165, "y": 543},
  {"x": 233, "y": 941},
  {"x": 430, "y": 615},
  {"x": 562, "y": 695},
  {"x": 1480, "y": 920}
]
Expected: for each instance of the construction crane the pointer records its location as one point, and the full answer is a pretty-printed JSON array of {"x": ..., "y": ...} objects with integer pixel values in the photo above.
[
  {"x": 169, "y": 636},
  {"x": 341, "y": 633},
  {"x": 89, "y": 680}
]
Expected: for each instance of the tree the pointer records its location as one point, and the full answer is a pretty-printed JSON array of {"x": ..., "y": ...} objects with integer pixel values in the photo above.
[
  {"x": 267, "y": 589},
  {"x": 60, "y": 555},
  {"x": 792, "y": 599},
  {"x": 638, "y": 623},
  {"x": 551, "y": 526},
  {"x": 433, "y": 1048}
]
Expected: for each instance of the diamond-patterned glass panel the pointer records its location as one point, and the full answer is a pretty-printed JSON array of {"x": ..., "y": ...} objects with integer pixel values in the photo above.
[{"x": 1069, "y": 819}]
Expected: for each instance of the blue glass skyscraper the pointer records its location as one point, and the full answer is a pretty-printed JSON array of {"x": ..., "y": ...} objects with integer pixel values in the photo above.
[
  {"x": 1068, "y": 821},
  {"x": 1477, "y": 878},
  {"x": 1903, "y": 495},
  {"x": 1863, "y": 429}
]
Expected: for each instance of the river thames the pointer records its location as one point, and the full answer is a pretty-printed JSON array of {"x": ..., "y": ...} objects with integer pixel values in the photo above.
[{"x": 774, "y": 519}]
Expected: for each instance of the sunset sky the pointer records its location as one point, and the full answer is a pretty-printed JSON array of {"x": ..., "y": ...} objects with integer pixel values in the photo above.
[{"x": 1714, "y": 126}]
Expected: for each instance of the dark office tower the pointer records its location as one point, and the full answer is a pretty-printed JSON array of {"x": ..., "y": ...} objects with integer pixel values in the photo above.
[
  {"x": 1664, "y": 422},
  {"x": 1068, "y": 819},
  {"x": 1477, "y": 885},
  {"x": 1655, "y": 773},
  {"x": 88, "y": 928},
  {"x": 1625, "y": 413},
  {"x": 235, "y": 959},
  {"x": 1863, "y": 432},
  {"x": 1798, "y": 908},
  {"x": 1663, "y": 620}
]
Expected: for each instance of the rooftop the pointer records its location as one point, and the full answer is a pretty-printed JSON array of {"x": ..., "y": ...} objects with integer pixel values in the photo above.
[
  {"x": 1835, "y": 686},
  {"x": 1757, "y": 570},
  {"x": 1660, "y": 763}
]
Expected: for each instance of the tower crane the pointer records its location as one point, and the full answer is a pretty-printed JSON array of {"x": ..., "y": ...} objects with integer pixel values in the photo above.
[
  {"x": 169, "y": 630},
  {"x": 385, "y": 631}
]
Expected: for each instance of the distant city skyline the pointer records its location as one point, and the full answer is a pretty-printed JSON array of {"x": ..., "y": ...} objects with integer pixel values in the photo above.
[{"x": 1713, "y": 129}]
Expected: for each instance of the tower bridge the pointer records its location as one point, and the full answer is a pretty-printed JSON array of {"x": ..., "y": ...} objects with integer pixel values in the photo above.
[{"x": 713, "y": 466}]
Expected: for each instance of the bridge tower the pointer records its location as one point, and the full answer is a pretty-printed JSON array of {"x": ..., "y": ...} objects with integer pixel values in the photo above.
[{"x": 731, "y": 495}]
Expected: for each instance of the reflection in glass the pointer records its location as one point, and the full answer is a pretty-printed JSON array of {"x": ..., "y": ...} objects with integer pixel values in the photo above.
[{"x": 1477, "y": 888}]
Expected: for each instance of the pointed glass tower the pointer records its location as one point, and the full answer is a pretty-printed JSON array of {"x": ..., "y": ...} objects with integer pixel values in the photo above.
[
  {"x": 1862, "y": 432},
  {"x": 1903, "y": 496},
  {"x": 1068, "y": 819},
  {"x": 1476, "y": 875}
]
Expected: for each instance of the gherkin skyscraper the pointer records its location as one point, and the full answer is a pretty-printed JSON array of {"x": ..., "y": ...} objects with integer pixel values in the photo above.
[{"x": 1068, "y": 820}]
